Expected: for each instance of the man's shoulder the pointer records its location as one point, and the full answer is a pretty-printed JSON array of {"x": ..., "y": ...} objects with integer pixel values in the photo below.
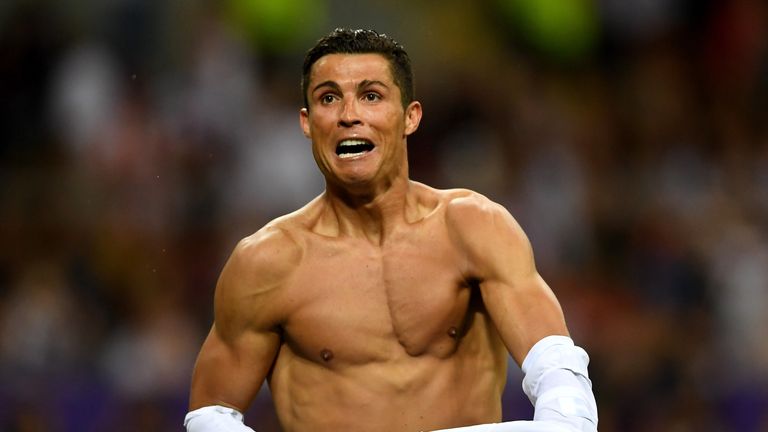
[
  {"x": 258, "y": 268},
  {"x": 281, "y": 238},
  {"x": 477, "y": 222},
  {"x": 464, "y": 207},
  {"x": 271, "y": 253},
  {"x": 271, "y": 238}
]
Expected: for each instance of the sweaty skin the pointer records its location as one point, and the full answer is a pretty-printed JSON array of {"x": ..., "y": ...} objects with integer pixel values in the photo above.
[{"x": 383, "y": 304}]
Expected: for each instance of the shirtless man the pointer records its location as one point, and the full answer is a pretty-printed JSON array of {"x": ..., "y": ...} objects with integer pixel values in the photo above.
[{"x": 383, "y": 304}]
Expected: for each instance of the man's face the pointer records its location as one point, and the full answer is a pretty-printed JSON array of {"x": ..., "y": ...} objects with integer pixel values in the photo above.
[{"x": 356, "y": 120}]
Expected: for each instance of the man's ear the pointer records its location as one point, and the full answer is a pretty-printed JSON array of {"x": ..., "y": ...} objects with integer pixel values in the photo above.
[
  {"x": 304, "y": 121},
  {"x": 412, "y": 117}
]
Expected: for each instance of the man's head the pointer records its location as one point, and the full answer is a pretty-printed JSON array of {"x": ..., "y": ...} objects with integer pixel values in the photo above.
[
  {"x": 345, "y": 41},
  {"x": 359, "y": 109}
]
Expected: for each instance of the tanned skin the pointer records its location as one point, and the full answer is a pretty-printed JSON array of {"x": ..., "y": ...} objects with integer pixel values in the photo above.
[{"x": 383, "y": 305}]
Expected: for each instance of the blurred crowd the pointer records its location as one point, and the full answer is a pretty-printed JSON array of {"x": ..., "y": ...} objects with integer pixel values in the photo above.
[{"x": 140, "y": 139}]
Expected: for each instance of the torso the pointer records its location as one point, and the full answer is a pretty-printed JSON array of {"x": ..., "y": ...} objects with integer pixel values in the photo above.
[{"x": 391, "y": 336}]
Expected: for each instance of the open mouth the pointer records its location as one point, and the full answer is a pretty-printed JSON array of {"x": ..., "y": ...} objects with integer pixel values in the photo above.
[{"x": 353, "y": 147}]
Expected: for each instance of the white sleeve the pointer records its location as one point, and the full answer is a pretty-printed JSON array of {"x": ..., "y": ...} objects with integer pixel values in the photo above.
[
  {"x": 512, "y": 426},
  {"x": 215, "y": 418},
  {"x": 557, "y": 383}
]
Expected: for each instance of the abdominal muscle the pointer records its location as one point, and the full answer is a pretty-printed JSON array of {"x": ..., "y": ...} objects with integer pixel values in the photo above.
[{"x": 399, "y": 393}]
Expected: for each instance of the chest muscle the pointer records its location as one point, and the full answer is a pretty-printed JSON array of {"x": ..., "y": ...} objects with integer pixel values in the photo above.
[{"x": 364, "y": 304}]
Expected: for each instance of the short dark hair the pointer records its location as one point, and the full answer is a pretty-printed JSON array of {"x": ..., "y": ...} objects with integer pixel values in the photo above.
[{"x": 347, "y": 41}]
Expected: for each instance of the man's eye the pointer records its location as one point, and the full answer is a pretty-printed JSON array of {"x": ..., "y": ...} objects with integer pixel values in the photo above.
[
  {"x": 372, "y": 97},
  {"x": 328, "y": 98}
]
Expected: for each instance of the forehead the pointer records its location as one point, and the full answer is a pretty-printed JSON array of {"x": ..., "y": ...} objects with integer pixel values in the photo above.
[{"x": 351, "y": 67}]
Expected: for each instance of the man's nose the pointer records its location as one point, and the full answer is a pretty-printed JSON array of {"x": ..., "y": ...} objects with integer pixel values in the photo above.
[{"x": 349, "y": 115}]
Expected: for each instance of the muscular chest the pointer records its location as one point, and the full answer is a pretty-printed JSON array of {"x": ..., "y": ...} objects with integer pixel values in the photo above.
[{"x": 360, "y": 303}]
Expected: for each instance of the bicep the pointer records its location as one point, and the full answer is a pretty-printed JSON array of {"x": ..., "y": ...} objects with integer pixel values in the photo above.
[
  {"x": 520, "y": 303},
  {"x": 230, "y": 371},
  {"x": 244, "y": 339}
]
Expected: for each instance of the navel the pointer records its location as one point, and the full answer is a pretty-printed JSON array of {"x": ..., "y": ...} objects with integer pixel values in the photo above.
[{"x": 326, "y": 355}]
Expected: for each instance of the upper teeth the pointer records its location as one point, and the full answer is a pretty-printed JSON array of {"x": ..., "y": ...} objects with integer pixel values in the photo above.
[{"x": 351, "y": 142}]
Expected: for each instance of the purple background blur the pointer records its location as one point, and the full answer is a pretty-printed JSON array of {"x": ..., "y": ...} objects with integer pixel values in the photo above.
[{"x": 139, "y": 140}]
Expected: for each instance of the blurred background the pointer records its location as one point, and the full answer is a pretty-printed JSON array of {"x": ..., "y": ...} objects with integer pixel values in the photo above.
[{"x": 140, "y": 139}]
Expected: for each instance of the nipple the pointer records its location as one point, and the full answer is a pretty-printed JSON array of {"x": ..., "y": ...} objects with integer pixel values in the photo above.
[
  {"x": 452, "y": 332},
  {"x": 326, "y": 355}
]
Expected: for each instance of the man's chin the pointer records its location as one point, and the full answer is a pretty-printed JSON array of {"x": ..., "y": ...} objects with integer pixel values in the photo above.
[
  {"x": 354, "y": 184},
  {"x": 354, "y": 177}
]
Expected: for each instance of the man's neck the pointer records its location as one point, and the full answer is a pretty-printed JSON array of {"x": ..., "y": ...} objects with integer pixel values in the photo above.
[{"x": 371, "y": 214}]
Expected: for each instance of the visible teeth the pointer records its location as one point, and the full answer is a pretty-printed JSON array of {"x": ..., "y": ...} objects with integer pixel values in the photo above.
[
  {"x": 353, "y": 147},
  {"x": 352, "y": 142},
  {"x": 349, "y": 155}
]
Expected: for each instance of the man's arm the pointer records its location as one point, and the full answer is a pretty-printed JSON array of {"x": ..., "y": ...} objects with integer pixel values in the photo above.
[
  {"x": 521, "y": 305},
  {"x": 526, "y": 314},
  {"x": 244, "y": 339}
]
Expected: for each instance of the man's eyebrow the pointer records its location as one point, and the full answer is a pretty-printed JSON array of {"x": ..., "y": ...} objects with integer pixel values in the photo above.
[
  {"x": 329, "y": 83},
  {"x": 365, "y": 83}
]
